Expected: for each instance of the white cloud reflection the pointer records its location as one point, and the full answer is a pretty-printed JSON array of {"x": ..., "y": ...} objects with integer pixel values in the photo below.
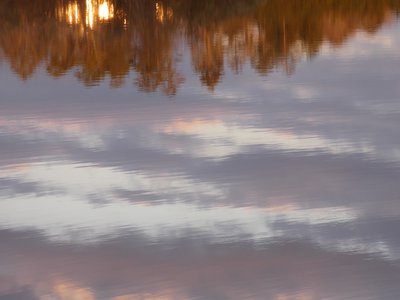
[
  {"x": 85, "y": 180},
  {"x": 73, "y": 219},
  {"x": 220, "y": 139}
]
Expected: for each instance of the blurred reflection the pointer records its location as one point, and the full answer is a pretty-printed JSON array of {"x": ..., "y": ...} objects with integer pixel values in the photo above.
[
  {"x": 94, "y": 12},
  {"x": 145, "y": 36},
  {"x": 163, "y": 13},
  {"x": 283, "y": 189},
  {"x": 70, "y": 13}
]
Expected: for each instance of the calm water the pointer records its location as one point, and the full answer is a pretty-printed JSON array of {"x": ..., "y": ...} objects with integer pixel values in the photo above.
[{"x": 200, "y": 149}]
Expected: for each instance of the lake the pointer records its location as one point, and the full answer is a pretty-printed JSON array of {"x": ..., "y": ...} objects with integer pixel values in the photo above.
[{"x": 183, "y": 149}]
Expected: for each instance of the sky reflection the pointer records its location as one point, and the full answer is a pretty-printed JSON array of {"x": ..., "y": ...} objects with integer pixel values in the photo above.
[{"x": 223, "y": 183}]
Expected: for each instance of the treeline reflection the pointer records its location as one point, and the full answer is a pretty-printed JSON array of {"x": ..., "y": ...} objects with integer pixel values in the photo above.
[{"x": 110, "y": 38}]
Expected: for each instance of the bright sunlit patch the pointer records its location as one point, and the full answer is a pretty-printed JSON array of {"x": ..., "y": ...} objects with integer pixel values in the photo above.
[
  {"x": 106, "y": 11},
  {"x": 93, "y": 11},
  {"x": 73, "y": 13},
  {"x": 89, "y": 13}
]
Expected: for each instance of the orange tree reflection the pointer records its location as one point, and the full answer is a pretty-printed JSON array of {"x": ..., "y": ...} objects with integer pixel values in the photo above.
[{"x": 96, "y": 39}]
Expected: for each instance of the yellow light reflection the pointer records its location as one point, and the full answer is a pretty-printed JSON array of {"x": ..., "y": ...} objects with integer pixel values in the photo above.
[
  {"x": 71, "y": 13},
  {"x": 89, "y": 13},
  {"x": 98, "y": 11},
  {"x": 94, "y": 11},
  {"x": 163, "y": 13},
  {"x": 106, "y": 11}
]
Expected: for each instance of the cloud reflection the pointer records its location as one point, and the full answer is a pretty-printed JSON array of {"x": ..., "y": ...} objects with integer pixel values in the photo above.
[
  {"x": 75, "y": 220},
  {"x": 278, "y": 187},
  {"x": 192, "y": 270},
  {"x": 222, "y": 139}
]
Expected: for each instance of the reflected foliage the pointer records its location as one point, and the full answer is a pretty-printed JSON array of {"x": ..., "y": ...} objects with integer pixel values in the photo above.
[{"x": 98, "y": 39}]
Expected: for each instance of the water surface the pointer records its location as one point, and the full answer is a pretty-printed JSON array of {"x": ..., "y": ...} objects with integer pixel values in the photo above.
[{"x": 200, "y": 149}]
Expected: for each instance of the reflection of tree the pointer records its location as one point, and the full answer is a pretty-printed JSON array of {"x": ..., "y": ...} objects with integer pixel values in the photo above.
[
  {"x": 145, "y": 36},
  {"x": 208, "y": 57},
  {"x": 108, "y": 49},
  {"x": 22, "y": 39},
  {"x": 154, "y": 46},
  {"x": 277, "y": 33},
  {"x": 297, "y": 26}
]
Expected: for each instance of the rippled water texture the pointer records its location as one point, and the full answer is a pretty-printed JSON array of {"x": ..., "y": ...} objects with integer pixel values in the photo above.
[{"x": 186, "y": 149}]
